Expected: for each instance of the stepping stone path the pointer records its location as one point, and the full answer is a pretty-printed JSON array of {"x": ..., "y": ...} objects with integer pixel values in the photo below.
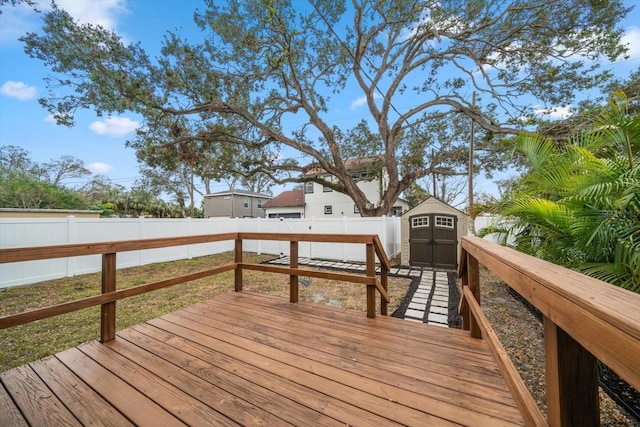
[{"x": 430, "y": 302}]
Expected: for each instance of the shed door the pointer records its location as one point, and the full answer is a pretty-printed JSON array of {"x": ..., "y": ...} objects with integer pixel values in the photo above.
[{"x": 433, "y": 240}]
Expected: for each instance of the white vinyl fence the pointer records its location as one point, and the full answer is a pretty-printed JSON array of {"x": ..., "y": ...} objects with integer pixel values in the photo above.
[{"x": 17, "y": 232}]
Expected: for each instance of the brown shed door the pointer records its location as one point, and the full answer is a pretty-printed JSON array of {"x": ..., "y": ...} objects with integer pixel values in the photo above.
[{"x": 433, "y": 240}]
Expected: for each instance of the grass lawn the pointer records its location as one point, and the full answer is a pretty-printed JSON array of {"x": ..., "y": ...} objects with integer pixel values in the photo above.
[{"x": 26, "y": 343}]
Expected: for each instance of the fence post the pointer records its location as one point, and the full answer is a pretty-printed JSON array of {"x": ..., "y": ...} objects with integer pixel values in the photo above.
[
  {"x": 108, "y": 310},
  {"x": 397, "y": 236},
  {"x": 141, "y": 235},
  {"x": 383, "y": 235},
  {"x": 189, "y": 233},
  {"x": 571, "y": 380},
  {"x": 311, "y": 230},
  {"x": 371, "y": 288},
  {"x": 345, "y": 227},
  {"x": 238, "y": 261},
  {"x": 293, "y": 279},
  {"x": 259, "y": 250},
  {"x": 72, "y": 234}
]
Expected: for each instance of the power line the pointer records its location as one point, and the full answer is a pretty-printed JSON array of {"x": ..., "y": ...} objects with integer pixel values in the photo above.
[{"x": 345, "y": 47}]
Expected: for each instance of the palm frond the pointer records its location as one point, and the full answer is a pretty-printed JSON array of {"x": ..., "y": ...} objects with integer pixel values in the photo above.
[{"x": 536, "y": 147}]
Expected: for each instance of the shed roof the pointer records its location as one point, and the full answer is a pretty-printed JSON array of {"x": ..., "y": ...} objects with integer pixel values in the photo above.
[{"x": 430, "y": 201}]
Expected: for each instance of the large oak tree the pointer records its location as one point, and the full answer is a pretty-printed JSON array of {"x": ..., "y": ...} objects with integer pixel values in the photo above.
[{"x": 263, "y": 64}]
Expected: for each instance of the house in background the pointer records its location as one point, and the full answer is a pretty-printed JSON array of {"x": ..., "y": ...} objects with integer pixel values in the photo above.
[
  {"x": 235, "y": 204},
  {"x": 322, "y": 201},
  {"x": 319, "y": 201},
  {"x": 288, "y": 204}
]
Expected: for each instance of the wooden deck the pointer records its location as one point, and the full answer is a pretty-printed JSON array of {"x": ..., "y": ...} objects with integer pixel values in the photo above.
[
  {"x": 252, "y": 359},
  {"x": 246, "y": 359}
]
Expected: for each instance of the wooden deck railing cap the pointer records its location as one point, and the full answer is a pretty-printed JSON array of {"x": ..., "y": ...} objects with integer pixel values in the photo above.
[{"x": 614, "y": 304}]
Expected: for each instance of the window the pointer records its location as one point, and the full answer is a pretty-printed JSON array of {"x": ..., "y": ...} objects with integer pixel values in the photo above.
[
  {"x": 397, "y": 211},
  {"x": 444, "y": 221},
  {"x": 360, "y": 176},
  {"x": 259, "y": 203},
  {"x": 227, "y": 197},
  {"x": 420, "y": 221},
  {"x": 327, "y": 178},
  {"x": 308, "y": 187},
  {"x": 246, "y": 203},
  {"x": 355, "y": 209},
  {"x": 328, "y": 209}
]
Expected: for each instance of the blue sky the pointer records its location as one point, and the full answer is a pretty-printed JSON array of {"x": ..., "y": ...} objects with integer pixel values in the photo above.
[{"x": 100, "y": 141}]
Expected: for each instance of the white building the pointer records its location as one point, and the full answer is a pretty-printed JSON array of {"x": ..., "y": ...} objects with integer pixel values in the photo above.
[{"x": 321, "y": 201}]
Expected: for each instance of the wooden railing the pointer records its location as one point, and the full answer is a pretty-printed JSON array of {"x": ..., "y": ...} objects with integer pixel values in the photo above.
[
  {"x": 110, "y": 294},
  {"x": 584, "y": 320}
]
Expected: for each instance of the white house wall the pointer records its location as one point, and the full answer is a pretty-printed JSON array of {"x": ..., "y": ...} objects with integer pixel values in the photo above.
[{"x": 341, "y": 204}]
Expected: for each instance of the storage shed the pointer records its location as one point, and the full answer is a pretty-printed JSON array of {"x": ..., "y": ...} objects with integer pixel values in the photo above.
[{"x": 431, "y": 233}]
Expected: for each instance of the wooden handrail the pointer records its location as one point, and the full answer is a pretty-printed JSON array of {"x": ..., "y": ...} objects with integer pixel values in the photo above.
[
  {"x": 525, "y": 401},
  {"x": 585, "y": 319},
  {"x": 109, "y": 250},
  {"x": 92, "y": 301},
  {"x": 8, "y": 255}
]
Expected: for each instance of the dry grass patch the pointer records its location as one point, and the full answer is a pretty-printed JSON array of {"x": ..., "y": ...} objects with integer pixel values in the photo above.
[{"x": 26, "y": 343}]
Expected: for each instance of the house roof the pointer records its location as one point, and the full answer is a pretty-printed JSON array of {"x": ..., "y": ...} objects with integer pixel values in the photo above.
[
  {"x": 286, "y": 199},
  {"x": 239, "y": 193}
]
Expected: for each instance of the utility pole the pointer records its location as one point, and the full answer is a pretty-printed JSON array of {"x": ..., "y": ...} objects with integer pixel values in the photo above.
[
  {"x": 472, "y": 224},
  {"x": 433, "y": 174}
]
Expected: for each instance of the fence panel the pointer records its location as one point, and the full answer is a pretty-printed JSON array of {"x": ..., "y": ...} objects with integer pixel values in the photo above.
[{"x": 16, "y": 232}]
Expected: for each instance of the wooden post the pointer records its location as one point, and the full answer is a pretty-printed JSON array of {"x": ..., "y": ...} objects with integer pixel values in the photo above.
[
  {"x": 371, "y": 289},
  {"x": 238, "y": 270},
  {"x": 572, "y": 380},
  {"x": 108, "y": 310},
  {"x": 473, "y": 276},
  {"x": 293, "y": 279},
  {"x": 384, "y": 280},
  {"x": 463, "y": 307}
]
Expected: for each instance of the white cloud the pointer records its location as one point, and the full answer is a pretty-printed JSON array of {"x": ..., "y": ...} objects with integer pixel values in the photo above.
[
  {"x": 97, "y": 12},
  {"x": 631, "y": 39},
  {"x": 18, "y": 90},
  {"x": 114, "y": 126},
  {"x": 52, "y": 118},
  {"x": 99, "y": 167},
  {"x": 15, "y": 21},
  {"x": 555, "y": 112},
  {"x": 362, "y": 101},
  {"x": 358, "y": 103}
]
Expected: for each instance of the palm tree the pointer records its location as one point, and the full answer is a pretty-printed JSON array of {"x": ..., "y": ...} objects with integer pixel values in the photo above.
[{"x": 579, "y": 206}]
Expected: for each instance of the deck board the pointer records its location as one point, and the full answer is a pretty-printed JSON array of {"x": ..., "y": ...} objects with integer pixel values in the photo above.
[{"x": 251, "y": 359}]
